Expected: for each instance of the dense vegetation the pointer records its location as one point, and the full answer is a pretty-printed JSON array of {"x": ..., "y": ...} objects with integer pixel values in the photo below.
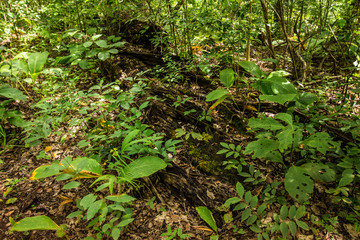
[{"x": 189, "y": 119}]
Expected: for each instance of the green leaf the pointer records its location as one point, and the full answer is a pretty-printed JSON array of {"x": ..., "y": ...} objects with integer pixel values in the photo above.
[
  {"x": 306, "y": 98},
  {"x": 261, "y": 148},
  {"x": 285, "y": 117},
  {"x": 216, "y": 94},
  {"x": 231, "y": 201},
  {"x": 240, "y": 189},
  {"x": 87, "y": 167},
  {"x": 320, "y": 141},
  {"x": 283, "y": 212},
  {"x": 71, "y": 185},
  {"x": 115, "y": 233},
  {"x": 245, "y": 214},
  {"x": 93, "y": 209},
  {"x": 87, "y": 200},
  {"x": 254, "y": 201},
  {"x": 103, "y": 55},
  {"x": 281, "y": 98},
  {"x": 227, "y": 77},
  {"x": 46, "y": 171},
  {"x": 101, "y": 43},
  {"x": 74, "y": 214},
  {"x": 261, "y": 209},
  {"x": 37, "y": 61},
  {"x": 302, "y": 225},
  {"x": 300, "y": 212},
  {"x": 207, "y": 216},
  {"x": 347, "y": 177},
  {"x": 143, "y": 167},
  {"x": 251, "y": 68},
  {"x": 113, "y": 51},
  {"x": 126, "y": 142},
  {"x": 12, "y": 93},
  {"x": 292, "y": 227},
  {"x": 87, "y": 44},
  {"x": 292, "y": 212},
  {"x": 240, "y": 206},
  {"x": 84, "y": 64},
  {"x": 126, "y": 222},
  {"x": 255, "y": 228},
  {"x": 284, "y": 229},
  {"x": 251, "y": 220},
  {"x": 123, "y": 198},
  {"x": 248, "y": 197},
  {"x": 265, "y": 123},
  {"x": 286, "y": 138},
  {"x": 298, "y": 184},
  {"x": 320, "y": 172},
  {"x": 35, "y": 223}
]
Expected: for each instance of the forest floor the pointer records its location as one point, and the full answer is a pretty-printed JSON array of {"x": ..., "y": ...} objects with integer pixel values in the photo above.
[{"x": 197, "y": 177}]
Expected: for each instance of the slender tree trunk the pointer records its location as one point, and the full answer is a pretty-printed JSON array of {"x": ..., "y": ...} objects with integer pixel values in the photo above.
[
  {"x": 248, "y": 38},
  {"x": 267, "y": 27}
]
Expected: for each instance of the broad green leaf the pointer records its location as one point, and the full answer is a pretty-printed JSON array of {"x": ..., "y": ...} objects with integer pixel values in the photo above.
[
  {"x": 84, "y": 64},
  {"x": 71, "y": 185},
  {"x": 93, "y": 209},
  {"x": 320, "y": 141},
  {"x": 87, "y": 167},
  {"x": 103, "y": 55},
  {"x": 12, "y": 93},
  {"x": 35, "y": 223},
  {"x": 283, "y": 212},
  {"x": 300, "y": 212},
  {"x": 292, "y": 212},
  {"x": 87, "y": 44},
  {"x": 207, "y": 216},
  {"x": 37, "y": 61},
  {"x": 123, "y": 198},
  {"x": 143, "y": 167},
  {"x": 231, "y": 201},
  {"x": 255, "y": 228},
  {"x": 292, "y": 227},
  {"x": 115, "y": 233},
  {"x": 280, "y": 98},
  {"x": 251, "y": 220},
  {"x": 46, "y": 171},
  {"x": 261, "y": 209},
  {"x": 126, "y": 222},
  {"x": 285, "y": 117},
  {"x": 347, "y": 177},
  {"x": 216, "y": 94},
  {"x": 286, "y": 138},
  {"x": 261, "y": 148},
  {"x": 284, "y": 229},
  {"x": 240, "y": 189},
  {"x": 298, "y": 184},
  {"x": 248, "y": 197},
  {"x": 101, "y": 43},
  {"x": 254, "y": 201},
  {"x": 113, "y": 51},
  {"x": 306, "y": 98},
  {"x": 320, "y": 172},
  {"x": 302, "y": 225},
  {"x": 251, "y": 68},
  {"x": 227, "y": 77},
  {"x": 240, "y": 206},
  {"x": 87, "y": 200},
  {"x": 74, "y": 214},
  {"x": 265, "y": 123},
  {"x": 245, "y": 214}
]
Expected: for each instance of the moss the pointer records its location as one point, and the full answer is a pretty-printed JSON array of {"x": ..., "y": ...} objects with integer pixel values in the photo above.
[{"x": 205, "y": 162}]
